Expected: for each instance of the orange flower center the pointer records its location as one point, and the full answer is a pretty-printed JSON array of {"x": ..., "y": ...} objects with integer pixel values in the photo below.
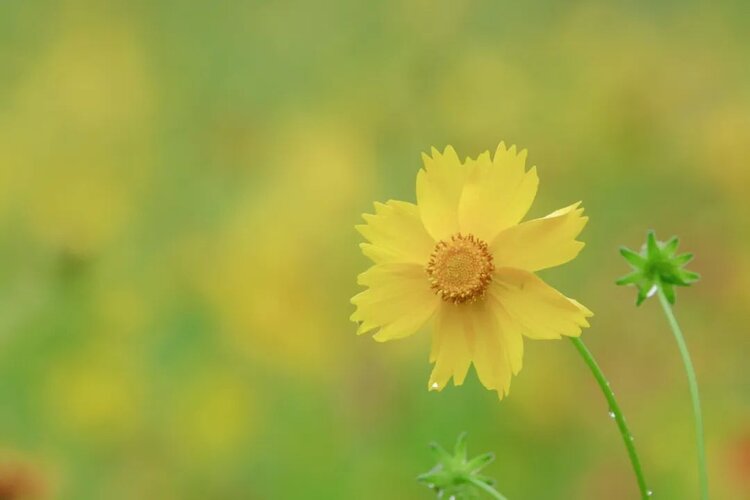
[{"x": 460, "y": 269}]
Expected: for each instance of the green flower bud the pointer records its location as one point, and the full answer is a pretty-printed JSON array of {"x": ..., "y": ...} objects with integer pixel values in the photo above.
[
  {"x": 657, "y": 266},
  {"x": 454, "y": 474}
]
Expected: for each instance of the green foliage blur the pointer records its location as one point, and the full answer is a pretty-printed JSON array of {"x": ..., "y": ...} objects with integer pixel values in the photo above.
[{"x": 179, "y": 183}]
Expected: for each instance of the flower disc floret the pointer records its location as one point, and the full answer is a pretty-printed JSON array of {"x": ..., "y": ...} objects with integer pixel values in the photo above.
[{"x": 460, "y": 269}]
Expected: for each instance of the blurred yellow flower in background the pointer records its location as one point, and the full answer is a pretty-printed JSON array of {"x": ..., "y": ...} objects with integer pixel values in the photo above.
[
  {"x": 462, "y": 256},
  {"x": 74, "y": 141},
  {"x": 96, "y": 393},
  {"x": 209, "y": 415},
  {"x": 252, "y": 301}
]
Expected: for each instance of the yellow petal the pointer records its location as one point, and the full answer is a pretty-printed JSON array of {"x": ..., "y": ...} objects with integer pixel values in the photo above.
[
  {"x": 497, "y": 193},
  {"x": 398, "y": 302},
  {"x": 511, "y": 335},
  {"x": 479, "y": 332},
  {"x": 541, "y": 243},
  {"x": 586, "y": 311},
  {"x": 439, "y": 186},
  {"x": 450, "y": 347},
  {"x": 542, "y": 311},
  {"x": 396, "y": 234},
  {"x": 492, "y": 349}
]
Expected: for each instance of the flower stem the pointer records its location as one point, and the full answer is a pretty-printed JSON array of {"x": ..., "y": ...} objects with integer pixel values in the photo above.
[
  {"x": 693, "y": 383},
  {"x": 486, "y": 487},
  {"x": 615, "y": 412}
]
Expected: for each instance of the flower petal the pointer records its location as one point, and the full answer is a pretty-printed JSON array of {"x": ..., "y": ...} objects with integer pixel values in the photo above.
[
  {"x": 439, "y": 186},
  {"x": 541, "y": 243},
  {"x": 498, "y": 349},
  {"x": 396, "y": 234},
  {"x": 542, "y": 311},
  {"x": 511, "y": 335},
  {"x": 497, "y": 193},
  {"x": 399, "y": 301},
  {"x": 450, "y": 350},
  {"x": 480, "y": 332}
]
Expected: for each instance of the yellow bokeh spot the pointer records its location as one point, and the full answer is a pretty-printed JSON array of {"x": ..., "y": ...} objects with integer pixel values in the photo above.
[
  {"x": 74, "y": 143},
  {"x": 260, "y": 271},
  {"x": 211, "y": 416},
  {"x": 97, "y": 394}
]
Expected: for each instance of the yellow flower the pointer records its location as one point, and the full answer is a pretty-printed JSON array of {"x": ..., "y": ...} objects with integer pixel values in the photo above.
[{"x": 462, "y": 258}]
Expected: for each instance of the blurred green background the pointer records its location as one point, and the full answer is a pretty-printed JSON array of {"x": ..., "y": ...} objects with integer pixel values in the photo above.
[{"x": 179, "y": 183}]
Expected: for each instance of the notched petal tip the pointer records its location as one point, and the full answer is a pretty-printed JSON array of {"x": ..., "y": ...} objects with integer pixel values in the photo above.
[
  {"x": 501, "y": 392},
  {"x": 450, "y": 151},
  {"x": 368, "y": 218},
  {"x": 587, "y": 313},
  {"x": 362, "y": 329},
  {"x": 570, "y": 210},
  {"x": 382, "y": 337},
  {"x": 358, "y": 297},
  {"x": 362, "y": 279},
  {"x": 435, "y": 155},
  {"x": 380, "y": 206},
  {"x": 362, "y": 326},
  {"x": 503, "y": 151},
  {"x": 365, "y": 230},
  {"x": 481, "y": 158}
]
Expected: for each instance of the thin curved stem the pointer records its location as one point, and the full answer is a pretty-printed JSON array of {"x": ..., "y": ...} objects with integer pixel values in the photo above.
[
  {"x": 486, "y": 488},
  {"x": 615, "y": 412},
  {"x": 693, "y": 383}
]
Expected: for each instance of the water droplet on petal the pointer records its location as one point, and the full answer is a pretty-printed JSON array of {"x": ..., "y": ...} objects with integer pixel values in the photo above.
[{"x": 435, "y": 385}]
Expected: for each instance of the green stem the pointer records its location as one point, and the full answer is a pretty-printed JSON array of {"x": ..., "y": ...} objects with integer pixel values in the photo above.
[
  {"x": 615, "y": 412},
  {"x": 693, "y": 383},
  {"x": 486, "y": 487}
]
